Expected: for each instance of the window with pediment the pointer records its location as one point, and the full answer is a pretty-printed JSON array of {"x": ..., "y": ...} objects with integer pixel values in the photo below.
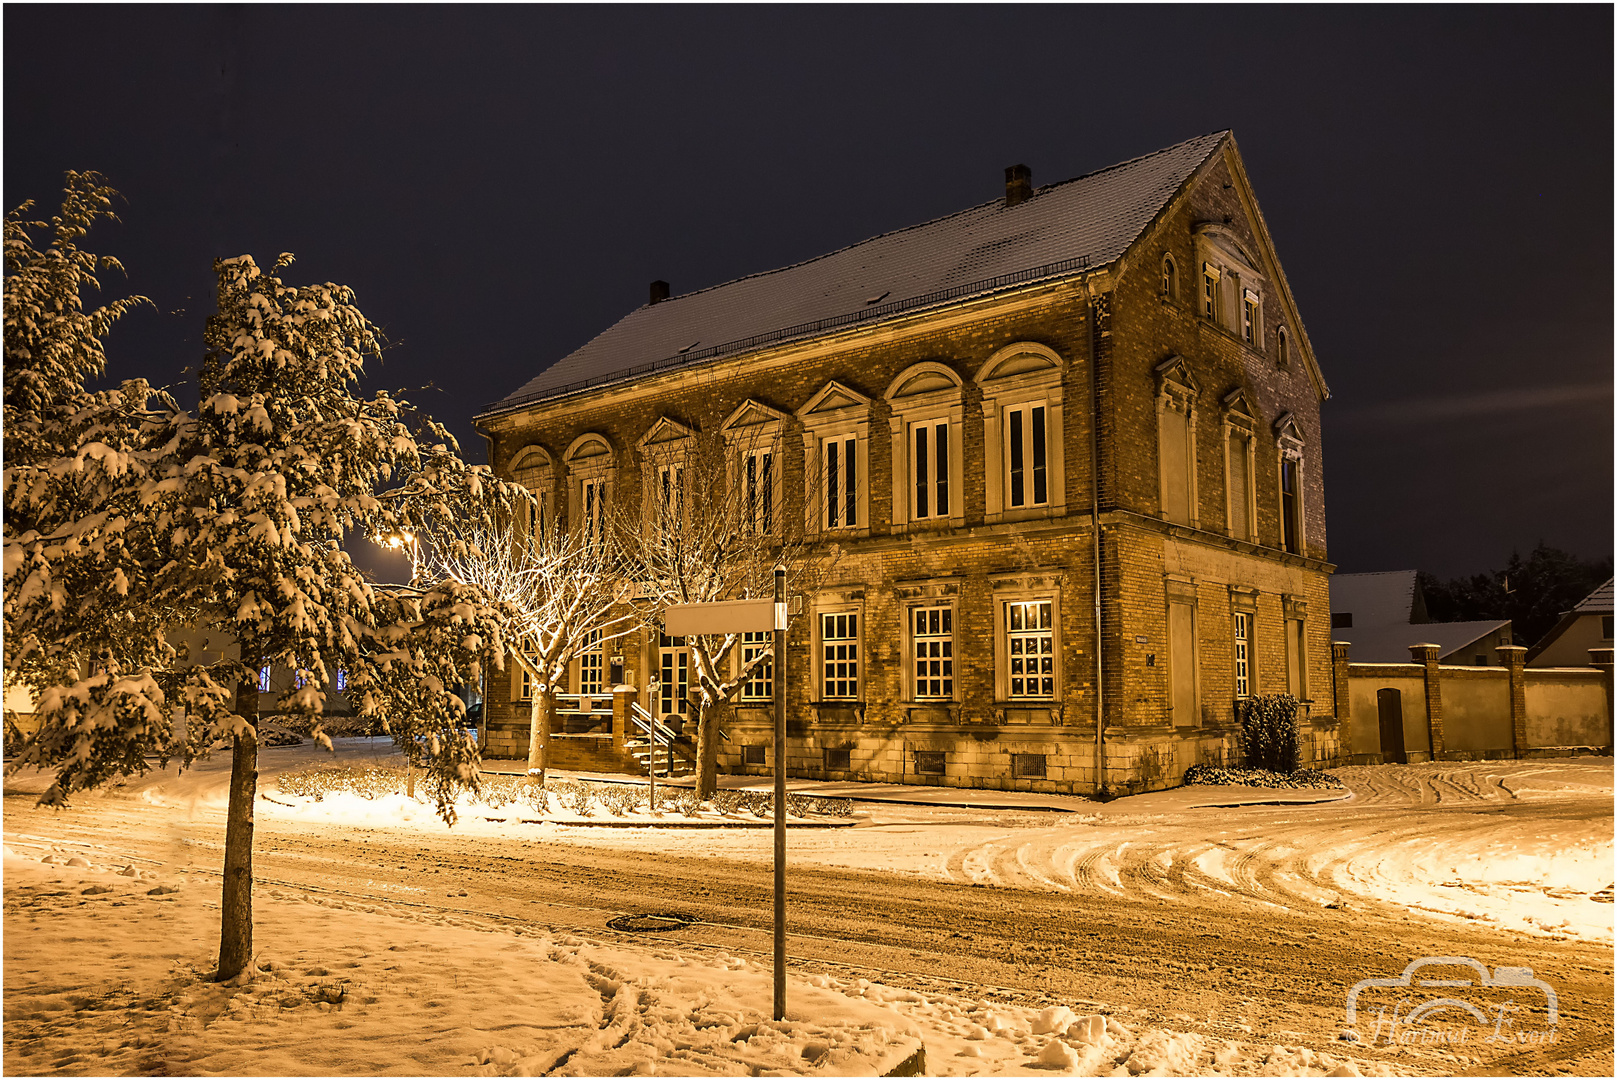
[
  {"x": 1289, "y": 446},
  {"x": 1240, "y": 438},
  {"x": 928, "y": 415},
  {"x": 1022, "y": 427},
  {"x": 1233, "y": 283},
  {"x": 752, "y": 436},
  {"x": 836, "y": 455},
  {"x": 591, "y": 476},
  {"x": 1177, "y": 391},
  {"x": 663, "y": 452},
  {"x": 533, "y": 468}
]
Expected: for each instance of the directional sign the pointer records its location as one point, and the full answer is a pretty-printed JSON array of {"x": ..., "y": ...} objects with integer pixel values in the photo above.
[{"x": 719, "y": 617}]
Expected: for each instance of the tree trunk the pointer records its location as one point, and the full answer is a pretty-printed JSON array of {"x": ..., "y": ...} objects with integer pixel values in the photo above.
[
  {"x": 236, "y": 903},
  {"x": 707, "y": 748},
  {"x": 539, "y": 715}
]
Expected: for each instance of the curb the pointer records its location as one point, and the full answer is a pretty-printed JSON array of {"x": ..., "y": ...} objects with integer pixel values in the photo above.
[{"x": 675, "y": 824}]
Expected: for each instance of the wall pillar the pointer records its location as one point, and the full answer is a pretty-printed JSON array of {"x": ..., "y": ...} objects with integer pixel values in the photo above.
[
  {"x": 1426, "y": 655},
  {"x": 1601, "y": 658},
  {"x": 1514, "y": 657},
  {"x": 1339, "y": 699},
  {"x": 622, "y": 728}
]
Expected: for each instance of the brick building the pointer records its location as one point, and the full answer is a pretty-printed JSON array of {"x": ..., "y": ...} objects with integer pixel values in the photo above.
[{"x": 974, "y": 394}]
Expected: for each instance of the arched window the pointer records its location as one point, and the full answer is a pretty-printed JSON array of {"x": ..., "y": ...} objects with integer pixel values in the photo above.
[
  {"x": 1282, "y": 347},
  {"x": 1170, "y": 278}
]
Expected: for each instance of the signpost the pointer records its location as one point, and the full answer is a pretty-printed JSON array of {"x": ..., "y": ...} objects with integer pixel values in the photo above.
[{"x": 751, "y": 617}]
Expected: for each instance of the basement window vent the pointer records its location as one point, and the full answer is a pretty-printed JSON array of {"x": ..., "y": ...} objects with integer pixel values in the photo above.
[
  {"x": 930, "y": 762},
  {"x": 838, "y": 760},
  {"x": 1027, "y": 766},
  {"x": 752, "y": 755}
]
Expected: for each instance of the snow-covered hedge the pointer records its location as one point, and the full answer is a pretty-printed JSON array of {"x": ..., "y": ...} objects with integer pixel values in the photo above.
[{"x": 1267, "y": 778}]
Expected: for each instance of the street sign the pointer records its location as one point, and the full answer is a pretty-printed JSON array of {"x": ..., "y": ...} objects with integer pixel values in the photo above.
[{"x": 719, "y": 617}]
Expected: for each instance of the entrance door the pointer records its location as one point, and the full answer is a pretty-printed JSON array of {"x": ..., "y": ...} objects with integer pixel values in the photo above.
[
  {"x": 1390, "y": 709},
  {"x": 674, "y": 668}
]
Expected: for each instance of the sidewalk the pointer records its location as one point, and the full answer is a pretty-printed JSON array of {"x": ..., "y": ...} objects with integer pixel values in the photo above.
[{"x": 1154, "y": 802}]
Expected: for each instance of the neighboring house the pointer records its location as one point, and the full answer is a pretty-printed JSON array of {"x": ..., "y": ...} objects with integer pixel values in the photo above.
[
  {"x": 964, "y": 399},
  {"x": 1587, "y": 626},
  {"x": 1383, "y": 614}
]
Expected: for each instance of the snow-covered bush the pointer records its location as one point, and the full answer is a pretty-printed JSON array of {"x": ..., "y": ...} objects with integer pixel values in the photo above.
[{"x": 1269, "y": 732}]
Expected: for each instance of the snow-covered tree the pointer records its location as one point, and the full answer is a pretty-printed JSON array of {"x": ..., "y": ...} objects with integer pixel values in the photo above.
[
  {"x": 716, "y": 524},
  {"x": 564, "y": 590},
  {"x": 129, "y": 519}
]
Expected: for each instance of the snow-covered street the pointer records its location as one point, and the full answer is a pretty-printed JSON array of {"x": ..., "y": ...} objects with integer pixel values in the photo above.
[{"x": 1208, "y": 939}]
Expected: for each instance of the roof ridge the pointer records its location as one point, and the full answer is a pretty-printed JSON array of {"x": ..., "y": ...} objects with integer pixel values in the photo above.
[{"x": 935, "y": 220}]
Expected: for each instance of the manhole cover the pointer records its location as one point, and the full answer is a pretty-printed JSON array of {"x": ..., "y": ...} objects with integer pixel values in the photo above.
[{"x": 649, "y": 924}]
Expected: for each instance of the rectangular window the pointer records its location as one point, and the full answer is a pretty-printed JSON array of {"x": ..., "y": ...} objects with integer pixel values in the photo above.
[
  {"x": 758, "y": 491},
  {"x": 526, "y": 691},
  {"x": 263, "y": 679},
  {"x": 1249, "y": 318},
  {"x": 1182, "y": 664},
  {"x": 593, "y": 495},
  {"x": 1031, "y": 647},
  {"x": 671, "y": 496},
  {"x": 591, "y": 666},
  {"x": 1028, "y": 766},
  {"x": 1291, "y": 511},
  {"x": 754, "y": 755},
  {"x": 1209, "y": 292},
  {"x": 1296, "y": 661},
  {"x": 841, "y": 482},
  {"x": 1026, "y": 452},
  {"x": 1240, "y": 489},
  {"x": 930, "y": 466},
  {"x": 839, "y": 643},
  {"x": 674, "y": 676},
  {"x": 1605, "y": 627},
  {"x": 930, "y": 762},
  {"x": 342, "y": 679},
  {"x": 761, "y": 687},
  {"x": 1243, "y": 654},
  {"x": 934, "y": 653}
]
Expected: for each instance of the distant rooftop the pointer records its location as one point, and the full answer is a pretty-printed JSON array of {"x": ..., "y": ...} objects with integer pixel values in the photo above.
[
  {"x": 1064, "y": 228},
  {"x": 1597, "y": 602},
  {"x": 1383, "y": 608}
]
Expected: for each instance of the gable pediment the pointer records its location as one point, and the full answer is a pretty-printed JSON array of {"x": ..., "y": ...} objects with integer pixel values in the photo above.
[
  {"x": 1238, "y": 406},
  {"x": 589, "y": 447},
  {"x": 752, "y": 413},
  {"x": 664, "y": 431},
  {"x": 833, "y": 397},
  {"x": 924, "y": 378},
  {"x": 1175, "y": 372},
  {"x": 1023, "y": 358},
  {"x": 1287, "y": 431}
]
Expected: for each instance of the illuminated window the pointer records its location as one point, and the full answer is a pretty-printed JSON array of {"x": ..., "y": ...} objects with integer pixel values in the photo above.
[
  {"x": 264, "y": 679},
  {"x": 934, "y": 653},
  {"x": 591, "y": 666},
  {"x": 1243, "y": 654},
  {"x": 761, "y": 687},
  {"x": 1030, "y": 647},
  {"x": 839, "y": 645},
  {"x": 342, "y": 679}
]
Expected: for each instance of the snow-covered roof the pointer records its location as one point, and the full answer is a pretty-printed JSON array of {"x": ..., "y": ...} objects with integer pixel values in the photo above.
[
  {"x": 1379, "y": 599},
  {"x": 1597, "y": 602},
  {"x": 1065, "y": 228}
]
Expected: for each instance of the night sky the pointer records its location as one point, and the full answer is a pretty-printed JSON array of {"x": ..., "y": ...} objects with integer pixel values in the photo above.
[{"x": 500, "y": 184}]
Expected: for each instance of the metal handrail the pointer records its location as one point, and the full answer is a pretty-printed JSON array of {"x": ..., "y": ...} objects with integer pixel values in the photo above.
[
  {"x": 741, "y": 344},
  {"x": 650, "y": 724}
]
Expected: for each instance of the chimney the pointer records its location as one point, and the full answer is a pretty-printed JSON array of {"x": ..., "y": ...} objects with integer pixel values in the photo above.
[
  {"x": 1018, "y": 184},
  {"x": 659, "y": 291}
]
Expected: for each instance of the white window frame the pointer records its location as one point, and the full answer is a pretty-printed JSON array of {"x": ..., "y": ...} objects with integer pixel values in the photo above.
[
  {"x": 534, "y": 468},
  {"x": 1026, "y": 588},
  {"x": 663, "y": 452},
  {"x": 1252, "y": 318},
  {"x": 844, "y": 686},
  {"x": 1177, "y": 391},
  {"x": 1022, "y": 377},
  {"x": 843, "y": 415},
  {"x": 940, "y": 652},
  {"x": 932, "y": 497},
  {"x": 1242, "y": 669},
  {"x": 1208, "y": 307},
  {"x": 1170, "y": 278},
  {"x": 591, "y": 661},
  {"x": 927, "y": 394},
  {"x": 761, "y": 686}
]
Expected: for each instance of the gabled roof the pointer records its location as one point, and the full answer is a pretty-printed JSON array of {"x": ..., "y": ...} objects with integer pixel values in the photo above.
[
  {"x": 1597, "y": 602},
  {"x": 1384, "y": 607},
  {"x": 1389, "y": 644},
  {"x": 1380, "y": 599},
  {"x": 1065, "y": 228}
]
